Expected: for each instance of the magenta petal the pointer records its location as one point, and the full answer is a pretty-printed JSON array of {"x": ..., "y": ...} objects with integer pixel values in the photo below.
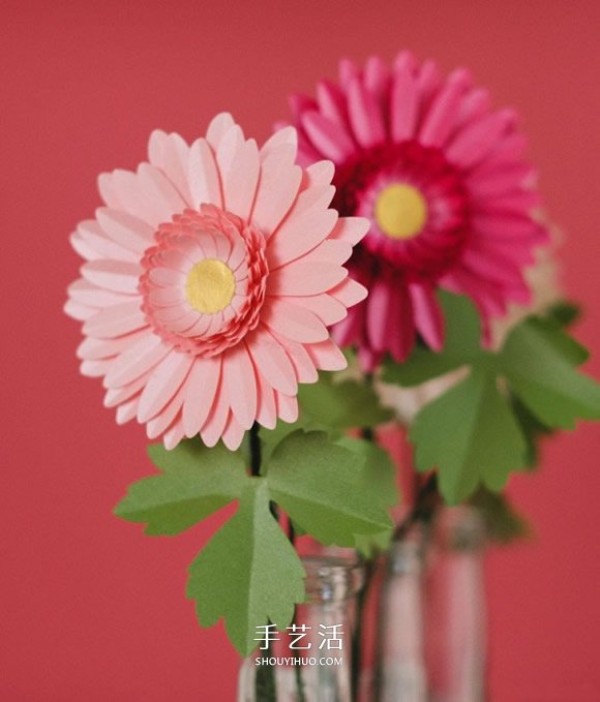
[
  {"x": 428, "y": 315},
  {"x": 365, "y": 115},
  {"x": 404, "y": 104},
  {"x": 442, "y": 115},
  {"x": 327, "y": 137},
  {"x": 378, "y": 314}
]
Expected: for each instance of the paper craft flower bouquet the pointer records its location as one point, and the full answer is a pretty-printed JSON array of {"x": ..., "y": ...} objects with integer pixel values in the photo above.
[{"x": 390, "y": 227}]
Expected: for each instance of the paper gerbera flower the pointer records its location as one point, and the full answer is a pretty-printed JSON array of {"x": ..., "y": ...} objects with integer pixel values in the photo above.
[
  {"x": 441, "y": 178},
  {"x": 210, "y": 280}
]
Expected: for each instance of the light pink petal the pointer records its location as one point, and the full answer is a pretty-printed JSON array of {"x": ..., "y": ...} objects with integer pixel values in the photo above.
[
  {"x": 282, "y": 144},
  {"x": 327, "y": 356},
  {"x": 218, "y": 127},
  {"x": 163, "y": 193},
  {"x": 200, "y": 390},
  {"x": 217, "y": 421},
  {"x": 92, "y": 349},
  {"x": 320, "y": 173},
  {"x": 428, "y": 315},
  {"x": 287, "y": 407},
  {"x": 350, "y": 229},
  {"x": 127, "y": 411},
  {"x": 115, "y": 396},
  {"x": 365, "y": 115},
  {"x": 294, "y": 322},
  {"x": 137, "y": 359},
  {"x": 126, "y": 230},
  {"x": 83, "y": 247},
  {"x": 305, "y": 278},
  {"x": 277, "y": 191},
  {"x": 272, "y": 362},
  {"x": 267, "y": 410},
  {"x": 163, "y": 420},
  {"x": 78, "y": 311},
  {"x": 302, "y": 362},
  {"x": 403, "y": 105},
  {"x": 91, "y": 296},
  {"x": 314, "y": 198},
  {"x": 239, "y": 385},
  {"x": 114, "y": 321},
  {"x": 443, "y": 113},
  {"x": 228, "y": 150},
  {"x": 326, "y": 307},
  {"x": 109, "y": 192},
  {"x": 95, "y": 369},
  {"x": 241, "y": 181},
  {"x": 327, "y": 137},
  {"x": 349, "y": 292},
  {"x": 298, "y": 235},
  {"x": 142, "y": 197},
  {"x": 95, "y": 238},
  {"x": 166, "y": 379},
  {"x": 173, "y": 435},
  {"x": 116, "y": 276},
  {"x": 203, "y": 175},
  {"x": 169, "y": 153},
  {"x": 233, "y": 434}
]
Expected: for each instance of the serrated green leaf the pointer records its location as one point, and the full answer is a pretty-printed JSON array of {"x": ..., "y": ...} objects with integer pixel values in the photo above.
[
  {"x": 461, "y": 346},
  {"x": 470, "y": 435},
  {"x": 248, "y": 574},
  {"x": 197, "y": 481},
  {"x": 532, "y": 429},
  {"x": 321, "y": 485},
  {"x": 538, "y": 360},
  {"x": 341, "y": 405}
]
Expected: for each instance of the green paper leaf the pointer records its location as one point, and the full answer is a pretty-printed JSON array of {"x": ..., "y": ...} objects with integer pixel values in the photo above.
[
  {"x": 340, "y": 405},
  {"x": 248, "y": 574},
  {"x": 564, "y": 312},
  {"x": 470, "y": 435},
  {"x": 196, "y": 482},
  {"x": 538, "y": 360},
  {"x": 322, "y": 486},
  {"x": 503, "y": 523},
  {"x": 461, "y": 346}
]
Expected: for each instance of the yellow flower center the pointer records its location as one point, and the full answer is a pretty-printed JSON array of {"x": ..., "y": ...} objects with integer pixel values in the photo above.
[
  {"x": 401, "y": 211},
  {"x": 209, "y": 286}
]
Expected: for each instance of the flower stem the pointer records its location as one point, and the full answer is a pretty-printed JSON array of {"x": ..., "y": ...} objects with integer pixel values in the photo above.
[{"x": 265, "y": 686}]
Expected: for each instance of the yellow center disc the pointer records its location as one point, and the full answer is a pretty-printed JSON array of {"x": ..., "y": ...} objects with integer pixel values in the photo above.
[
  {"x": 401, "y": 211},
  {"x": 210, "y": 286}
]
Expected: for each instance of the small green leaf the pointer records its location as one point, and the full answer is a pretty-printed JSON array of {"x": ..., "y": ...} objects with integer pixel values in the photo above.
[
  {"x": 538, "y": 360},
  {"x": 564, "y": 312},
  {"x": 340, "y": 405},
  {"x": 503, "y": 524},
  {"x": 197, "y": 481},
  {"x": 248, "y": 574},
  {"x": 470, "y": 435},
  {"x": 378, "y": 471},
  {"x": 321, "y": 485},
  {"x": 461, "y": 346}
]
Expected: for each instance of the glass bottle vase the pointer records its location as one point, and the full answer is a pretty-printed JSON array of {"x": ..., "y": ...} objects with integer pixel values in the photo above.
[
  {"x": 311, "y": 660},
  {"x": 455, "y": 607},
  {"x": 400, "y": 674}
]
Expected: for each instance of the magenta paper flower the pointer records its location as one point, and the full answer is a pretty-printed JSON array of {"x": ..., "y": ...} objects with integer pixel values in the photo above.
[
  {"x": 441, "y": 178},
  {"x": 212, "y": 275}
]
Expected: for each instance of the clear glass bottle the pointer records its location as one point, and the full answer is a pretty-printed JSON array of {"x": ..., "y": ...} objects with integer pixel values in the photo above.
[
  {"x": 311, "y": 661},
  {"x": 400, "y": 675},
  {"x": 456, "y": 607}
]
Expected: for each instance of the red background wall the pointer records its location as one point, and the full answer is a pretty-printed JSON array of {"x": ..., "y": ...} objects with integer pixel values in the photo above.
[{"x": 92, "y": 609}]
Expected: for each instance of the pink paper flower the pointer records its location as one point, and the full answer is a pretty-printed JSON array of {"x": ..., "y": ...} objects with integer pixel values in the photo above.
[
  {"x": 212, "y": 275},
  {"x": 441, "y": 178}
]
